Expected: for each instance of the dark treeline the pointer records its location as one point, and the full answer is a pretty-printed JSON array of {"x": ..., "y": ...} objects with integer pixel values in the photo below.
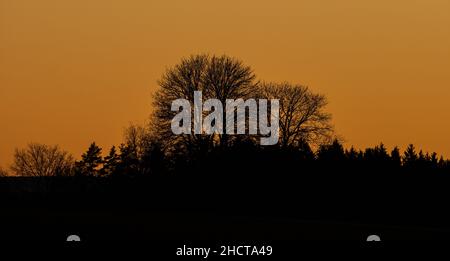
[
  {"x": 140, "y": 156},
  {"x": 148, "y": 159},
  {"x": 306, "y": 135},
  {"x": 308, "y": 173}
]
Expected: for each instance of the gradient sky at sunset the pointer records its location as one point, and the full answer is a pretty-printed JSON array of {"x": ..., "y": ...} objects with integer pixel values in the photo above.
[{"x": 77, "y": 71}]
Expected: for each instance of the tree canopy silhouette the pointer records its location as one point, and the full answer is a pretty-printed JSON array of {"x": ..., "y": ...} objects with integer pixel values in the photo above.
[
  {"x": 219, "y": 77},
  {"x": 3, "y": 172},
  {"x": 91, "y": 161},
  {"x": 39, "y": 160},
  {"x": 110, "y": 163},
  {"x": 302, "y": 115},
  {"x": 306, "y": 133},
  {"x": 308, "y": 174}
]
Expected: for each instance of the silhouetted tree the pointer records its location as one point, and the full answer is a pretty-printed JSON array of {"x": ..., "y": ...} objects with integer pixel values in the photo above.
[
  {"x": 444, "y": 164},
  {"x": 354, "y": 158},
  {"x": 128, "y": 163},
  {"x": 410, "y": 156},
  {"x": 138, "y": 139},
  {"x": 302, "y": 115},
  {"x": 306, "y": 153},
  {"x": 331, "y": 153},
  {"x": 351, "y": 154},
  {"x": 434, "y": 160},
  {"x": 38, "y": 160},
  {"x": 377, "y": 157},
  {"x": 3, "y": 172},
  {"x": 110, "y": 163},
  {"x": 381, "y": 152},
  {"x": 137, "y": 152},
  {"x": 154, "y": 161},
  {"x": 422, "y": 160},
  {"x": 219, "y": 77},
  {"x": 396, "y": 158},
  {"x": 91, "y": 161}
]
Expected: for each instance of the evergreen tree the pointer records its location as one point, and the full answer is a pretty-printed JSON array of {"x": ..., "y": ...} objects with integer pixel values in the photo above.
[
  {"x": 381, "y": 153},
  {"x": 395, "y": 157},
  {"x": 434, "y": 160},
  {"x": 421, "y": 161},
  {"x": 305, "y": 150},
  {"x": 351, "y": 154},
  {"x": 410, "y": 156},
  {"x": 353, "y": 158},
  {"x": 129, "y": 162},
  {"x": 110, "y": 162},
  {"x": 154, "y": 160},
  {"x": 333, "y": 152},
  {"x": 441, "y": 163},
  {"x": 421, "y": 156},
  {"x": 90, "y": 162}
]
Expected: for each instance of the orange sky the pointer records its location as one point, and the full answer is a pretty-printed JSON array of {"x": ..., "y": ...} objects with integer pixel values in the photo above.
[{"x": 76, "y": 71}]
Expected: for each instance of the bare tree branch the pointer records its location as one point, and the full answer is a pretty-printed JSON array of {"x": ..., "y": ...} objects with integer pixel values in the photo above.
[
  {"x": 39, "y": 160},
  {"x": 3, "y": 172},
  {"x": 302, "y": 116},
  {"x": 217, "y": 77}
]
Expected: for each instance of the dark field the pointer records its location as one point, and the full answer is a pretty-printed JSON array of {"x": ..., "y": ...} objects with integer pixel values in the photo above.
[{"x": 201, "y": 208}]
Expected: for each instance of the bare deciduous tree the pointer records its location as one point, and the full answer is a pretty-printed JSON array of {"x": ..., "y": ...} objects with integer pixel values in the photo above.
[
  {"x": 138, "y": 153},
  {"x": 3, "y": 173},
  {"x": 38, "y": 160},
  {"x": 217, "y": 77},
  {"x": 302, "y": 115},
  {"x": 138, "y": 139}
]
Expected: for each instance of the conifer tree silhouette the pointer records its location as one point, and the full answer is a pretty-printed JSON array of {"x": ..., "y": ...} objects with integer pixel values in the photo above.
[
  {"x": 110, "y": 163},
  {"x": 410, "y": 156},
  {"x": 91, "y": 161},
  {"x": 396, "y": 158}
]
